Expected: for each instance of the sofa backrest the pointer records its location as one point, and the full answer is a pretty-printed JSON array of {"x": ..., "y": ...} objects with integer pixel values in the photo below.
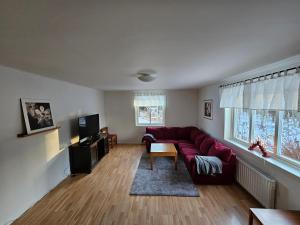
[
  {"x": 199, "y": 139},
  {"x": 194, "y": 133},
  {"x": 183, "y": 133},
  {"x": 174, "y": 133},
  {"x": 157, "y": 132},
  {"x": 221, "y": 151},
  {"x": 205, "y": 145}
]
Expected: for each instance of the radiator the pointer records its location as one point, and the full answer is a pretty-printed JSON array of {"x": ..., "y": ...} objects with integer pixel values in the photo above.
[{"x": 256, "y": 183}]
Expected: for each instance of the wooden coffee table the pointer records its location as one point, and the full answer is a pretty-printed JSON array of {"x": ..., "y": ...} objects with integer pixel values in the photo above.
[
  {"x": 163, "y": 150},
  {"x": 274, "y": 216}
]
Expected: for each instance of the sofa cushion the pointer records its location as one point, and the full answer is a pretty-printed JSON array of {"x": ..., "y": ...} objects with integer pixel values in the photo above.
[
  {"x": 194, "y": 134},
  {"x": 170, "y": 132},
  {"x": 185, "y": 144},
  {"x": 199, "y": 139},
  {"x": 171, "y": 141},
  {"x": 189, "y": 151},
  {"x": 180, "y": 141},
  {"x": 183, "y": 133},
  {"x": 157, "y": 132},
  {"x": 220, "y": 151},
  {"x": 189, "y": 161},
  {"x": 205, "y": 145},
  {"x": 190, "y": 158}
]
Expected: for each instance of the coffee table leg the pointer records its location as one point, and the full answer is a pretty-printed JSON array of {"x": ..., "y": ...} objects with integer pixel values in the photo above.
[
  {"x": 151, "y": 162},
  {"x": 250, "y": 218},
  {"x": 175, "y": 162}
]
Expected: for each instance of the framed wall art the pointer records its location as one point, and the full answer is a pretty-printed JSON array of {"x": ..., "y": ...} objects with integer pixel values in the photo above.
[
  {"x": 208, "y": 109},
  {"x": 37, "y": 115}
]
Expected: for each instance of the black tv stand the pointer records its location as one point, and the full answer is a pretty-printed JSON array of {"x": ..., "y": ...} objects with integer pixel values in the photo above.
[{"x": 85, "y": 156}]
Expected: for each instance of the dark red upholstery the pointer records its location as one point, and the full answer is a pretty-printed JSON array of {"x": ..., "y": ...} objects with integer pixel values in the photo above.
[
  {"x": 173, "y": 135},
  {"x": 176, "y": 142},
  {"x": 184, "y": 132},
  {"x": 194, "y": 134},
  {"x": 227, "y": 176},
  {"x": 206, "y": 144},
  {"x": 157, "y": 132},
  {"x": 199, "y": 139},
  {"x": 182, "y": 145},
  {"x": 220, "y": 151},
  {"x": 190, "y": 141}
]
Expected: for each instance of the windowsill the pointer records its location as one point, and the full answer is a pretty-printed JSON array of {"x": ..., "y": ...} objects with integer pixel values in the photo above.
[
  {"x": 150, "y": 125},
  {"x": 278, "y": 163}
]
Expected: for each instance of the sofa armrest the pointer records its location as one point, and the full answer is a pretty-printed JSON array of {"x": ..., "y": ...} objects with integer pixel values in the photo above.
[
  {"x": 148, "y": 139},
  {"x": 229, "y": 168}
]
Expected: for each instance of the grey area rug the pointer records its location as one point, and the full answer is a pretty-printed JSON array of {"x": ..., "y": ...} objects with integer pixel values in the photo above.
[{"x": 163, "y": 179}]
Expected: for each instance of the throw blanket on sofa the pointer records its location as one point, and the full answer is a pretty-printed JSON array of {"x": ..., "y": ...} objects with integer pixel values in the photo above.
[
  {"x": 208, "y": 165},
  {"x": 148, "y": 137}
]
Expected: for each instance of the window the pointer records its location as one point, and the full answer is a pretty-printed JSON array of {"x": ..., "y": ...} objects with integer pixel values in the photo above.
[
  {"x": 279, "y": 131},
  {"x": 265, "y": 108},
  {"x": 289, "y": 135},
  {"x": 149, "y": 110},
  {"x": 151, "y": 115},
  {"x": 241, "y": 125},
  {"x": 264, "y": 127}
]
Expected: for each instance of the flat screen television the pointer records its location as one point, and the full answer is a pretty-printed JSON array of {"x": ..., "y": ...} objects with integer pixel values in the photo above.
[{"x": 88, "y": 126}]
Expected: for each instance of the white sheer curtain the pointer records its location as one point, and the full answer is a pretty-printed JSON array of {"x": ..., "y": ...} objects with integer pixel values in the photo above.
[
  {"x": 275, "y": 94},
  {"x": 232, "y": 97},
  {"x": 150, "y": 98},
  {"x": 280, "y": 93}
]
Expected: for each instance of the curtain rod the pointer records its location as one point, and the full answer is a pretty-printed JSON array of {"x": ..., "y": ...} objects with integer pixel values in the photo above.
[{"x": 263, "y": 76}]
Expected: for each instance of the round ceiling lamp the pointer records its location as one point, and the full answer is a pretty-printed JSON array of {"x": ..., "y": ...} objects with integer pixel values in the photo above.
[{"x": 146, "y": 76}]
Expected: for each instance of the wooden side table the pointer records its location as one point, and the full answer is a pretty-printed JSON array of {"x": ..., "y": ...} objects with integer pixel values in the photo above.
[{"x": 274, "y": 216}]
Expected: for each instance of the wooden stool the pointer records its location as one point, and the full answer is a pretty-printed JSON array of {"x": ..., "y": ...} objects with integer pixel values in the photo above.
[{"x": 112, "y": 138}]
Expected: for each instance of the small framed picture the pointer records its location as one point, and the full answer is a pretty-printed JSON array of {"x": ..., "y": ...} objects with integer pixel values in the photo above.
[
  {"x": 208, "y": 107},
  {"x": 37, "y": 115}
]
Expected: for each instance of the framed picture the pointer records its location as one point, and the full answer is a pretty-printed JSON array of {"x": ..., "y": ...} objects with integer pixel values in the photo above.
[
  {"x": 208, "y": 107},
  {"x": 37, "y": 115}
]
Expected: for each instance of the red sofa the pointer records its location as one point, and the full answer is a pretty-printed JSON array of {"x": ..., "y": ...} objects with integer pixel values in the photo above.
[{"x": 191, "y": 141}]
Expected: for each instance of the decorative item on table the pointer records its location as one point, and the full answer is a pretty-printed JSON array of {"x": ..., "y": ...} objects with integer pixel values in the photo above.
[
  {"x": 259, "y": 143},
  {"x": 37, "y": 115}
]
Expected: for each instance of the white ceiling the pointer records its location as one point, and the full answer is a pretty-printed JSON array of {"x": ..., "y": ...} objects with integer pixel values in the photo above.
[{"x": 101, "y": 44}]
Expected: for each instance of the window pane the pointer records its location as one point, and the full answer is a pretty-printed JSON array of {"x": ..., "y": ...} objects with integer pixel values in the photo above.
[
  {"x": 157, "y": 115},
  {"x": 290, "y": 134},
  {"x": 241, "y": 124},
  {"x": 143, "y": 115},
  {"x": 264, "y": 127}
]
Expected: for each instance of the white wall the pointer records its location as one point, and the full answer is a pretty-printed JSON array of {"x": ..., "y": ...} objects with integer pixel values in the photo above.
[
  {"x": 288, "y": 185},
  {"x": 31, "y": 166},
  {"x": 181, "y": 110}
]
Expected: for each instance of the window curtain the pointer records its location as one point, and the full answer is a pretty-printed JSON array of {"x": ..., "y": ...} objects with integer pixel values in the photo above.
[
  {"x": 280, "y": 93},
  {"x": 232, "y": 97},
  {"x": 149, "y": 99}
]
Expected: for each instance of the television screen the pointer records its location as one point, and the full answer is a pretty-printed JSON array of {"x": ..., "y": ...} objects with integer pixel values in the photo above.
[{"x": 88, "y": 126}]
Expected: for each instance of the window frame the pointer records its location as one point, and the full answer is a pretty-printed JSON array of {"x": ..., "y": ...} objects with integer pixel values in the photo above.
[{"x": 229, "y": 135}]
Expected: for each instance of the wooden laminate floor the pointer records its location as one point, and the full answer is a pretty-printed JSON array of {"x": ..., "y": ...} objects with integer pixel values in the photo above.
[{"x": 101, "y": 198}]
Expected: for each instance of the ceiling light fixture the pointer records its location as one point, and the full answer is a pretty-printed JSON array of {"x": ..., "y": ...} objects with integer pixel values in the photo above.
[{"x": 146, "y": 76}]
